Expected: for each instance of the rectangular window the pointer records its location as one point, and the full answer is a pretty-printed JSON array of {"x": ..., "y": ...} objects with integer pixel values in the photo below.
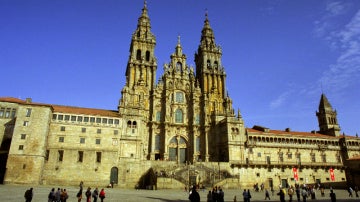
[
  {"x": 116, "y": 121},
  {"x": 47, "y": 153},
  {"x": 21, "y": 147},
  {"x": 281, "y": 157},
  {"x": 54, "y": 116},
  {"x": 92, "y": 119},
  {"x": 97, "y": 141},
  {"x": 60, "y": 155},
  {"x": 98, "y": 120},
  {"x": 98, "y": 157},
  {"x": 79, "y": 118},
  {"x": 158, "y": 116},
  {"x": 26, "y": 123},
  {"x": 28, "y": 112},
  {"x": 83, "y": 130},
  {"x": 73, "y": 118},
  {"x": 82, "y": 140},
  {"x": 62, "y": 128},
  {"x": 111, "y": 121},
  {"x": 289, "y": 155},
  {"x": 323, "y": 158},
  {"x": 7, "y": 113},
  {"x": 13, "y": 113},
  {"x": 259, "y": 154},
  {"x": 60, "y": 117},
  {"x": 312, "y": 157},
  {"x": 86, "y": 119},
  {"x": 67, "y": 117},
  {"x": 2, "y": 111},
  {"x": 23, "y": 136},
  {"x": 250, "y": 150},
  {"x": 179, "y": 97},
  {"x": 157, "y": 142},
  {"x": 116, "y": 132},
  {"x": 104, "y": 120},
  {"x": 61, "y": 139},
  {"x": 80, "y": 156},
  {"x": 197, "y": 144},
  {"x": 98, "y": 131}
]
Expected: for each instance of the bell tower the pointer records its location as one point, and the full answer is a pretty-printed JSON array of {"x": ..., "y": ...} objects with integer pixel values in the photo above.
[
  {"x": 141, "y": 67},
  {"x": 211, "y": 74},
  {"x": 327, "y": 118}
]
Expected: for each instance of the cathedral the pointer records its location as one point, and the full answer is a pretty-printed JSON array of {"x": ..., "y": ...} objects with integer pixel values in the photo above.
[{"x": 172, "y": 132}]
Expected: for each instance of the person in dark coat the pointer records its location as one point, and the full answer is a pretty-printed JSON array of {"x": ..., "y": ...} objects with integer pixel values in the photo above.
[
  {"x": 29, "y": 195},
  {"x": 282, "y": 195},
  {"x": 194, "y": 196},
  {"x": 332, "y": 196}
]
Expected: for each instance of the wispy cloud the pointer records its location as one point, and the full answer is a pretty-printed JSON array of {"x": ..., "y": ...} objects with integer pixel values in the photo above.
[
  {"x": 346, "y": 70},
  {"x": 279, "y": 100}
]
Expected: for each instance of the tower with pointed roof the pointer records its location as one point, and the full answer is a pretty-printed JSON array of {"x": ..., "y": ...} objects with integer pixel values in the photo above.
[
  {"x": 327, "y": 118},
  {"x": 141, "y": 68}
]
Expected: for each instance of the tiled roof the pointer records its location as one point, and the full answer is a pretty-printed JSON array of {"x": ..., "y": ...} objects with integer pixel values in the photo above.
[
  {"x": 89, "y": 111},
  {"x": 65, "y": 109},
  {"x": 294, "y": 133}
]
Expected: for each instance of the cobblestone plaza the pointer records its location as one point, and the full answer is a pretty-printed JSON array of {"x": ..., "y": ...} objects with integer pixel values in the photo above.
[{"x": 12, "y": 193}]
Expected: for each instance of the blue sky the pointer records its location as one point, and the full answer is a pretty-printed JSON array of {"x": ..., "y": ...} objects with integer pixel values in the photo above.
[{"x": 279, "y": 55}]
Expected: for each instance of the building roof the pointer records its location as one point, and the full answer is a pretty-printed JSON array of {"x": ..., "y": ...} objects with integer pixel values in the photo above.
[
  {"x": 64, "y": 109},
  {"x": 88, "y": 111},
  {"x": 289, "y": 133}
]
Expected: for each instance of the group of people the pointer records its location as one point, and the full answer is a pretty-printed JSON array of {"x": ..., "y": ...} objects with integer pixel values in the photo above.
[
  {"x": 60, "y": 195},
  {"x": 95, "y": 194}
]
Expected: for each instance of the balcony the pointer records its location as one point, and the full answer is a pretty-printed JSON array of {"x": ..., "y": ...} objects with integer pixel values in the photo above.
[{"x": 285, "y": 164}]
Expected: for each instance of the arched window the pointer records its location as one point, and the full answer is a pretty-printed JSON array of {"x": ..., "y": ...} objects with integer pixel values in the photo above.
[
  {"x": 178, "y": 116},
  {"x": 129, "y": 124},
  {"x": 147, "y": 55},
  {"x": 179, "y": 66},
  {"x": 208, "y": 63},
  {"x": 138, "y": 54},
  {"x": 134, "y": 124},
  {"x": 216, "y": 64},
  {"x": 179, "y": 97}
]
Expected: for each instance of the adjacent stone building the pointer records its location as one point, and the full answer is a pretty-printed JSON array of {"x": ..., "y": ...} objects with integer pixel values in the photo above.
[{"x": 179, "y": 130}]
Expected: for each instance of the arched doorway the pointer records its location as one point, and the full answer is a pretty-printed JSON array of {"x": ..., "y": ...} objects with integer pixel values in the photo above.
[
  {"x": 178, "y": 149},
  {"x": 114, "y": 175}
]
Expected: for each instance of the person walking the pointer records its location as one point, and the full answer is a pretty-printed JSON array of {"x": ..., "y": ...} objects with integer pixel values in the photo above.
[
  {"x": 245, "y": 196},
  {"x": 356, "y": 189},
  {"x": 249, "y": 195},
  {"x": 221, "y": 195},
  {"x": 304, "y": 194},
  {"x": 281, "y": 195},
  {"x": 51, "y": 196},
  {"x": 88, "y": 194},
  {"x": 194, "y": 196},
  {"x": 95, "y": 194},
  {"x": 290, "y": 193},
  {"x": 332, "y": 196},
  {"x": 79, "y": 195},
  {"x": 102, "y": 195},
  {"x": 267, "y": 195},
  {"x": 209, "y": 197},
  {"x": 29, "y": 195}
]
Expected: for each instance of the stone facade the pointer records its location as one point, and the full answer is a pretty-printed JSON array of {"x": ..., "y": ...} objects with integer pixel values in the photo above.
[{"x": 177, "y": 131}]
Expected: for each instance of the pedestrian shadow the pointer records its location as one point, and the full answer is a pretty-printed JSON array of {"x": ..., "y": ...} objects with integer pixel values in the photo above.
[{"x": 166, "y": 200}]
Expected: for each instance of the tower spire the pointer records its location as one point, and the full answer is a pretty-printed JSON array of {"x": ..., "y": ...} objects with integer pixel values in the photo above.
[{"x": 327, "y": 117}]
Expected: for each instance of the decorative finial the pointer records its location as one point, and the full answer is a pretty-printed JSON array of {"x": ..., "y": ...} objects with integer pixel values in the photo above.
[
  {"x": 206, "y": 14},
  {"x": 178, "y": 38},
  {"x": 145, "y": 3}
]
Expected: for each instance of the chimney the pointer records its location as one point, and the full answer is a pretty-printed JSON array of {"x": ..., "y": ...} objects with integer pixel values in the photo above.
[{"x": 28, "y": 100}]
